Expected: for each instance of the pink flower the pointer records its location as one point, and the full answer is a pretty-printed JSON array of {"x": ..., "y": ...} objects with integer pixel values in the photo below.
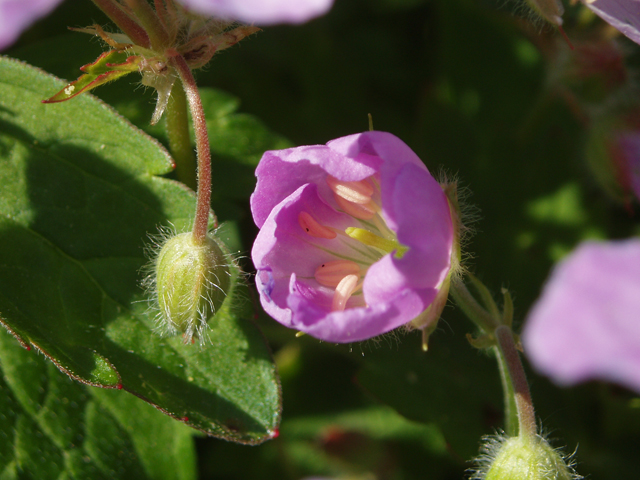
[
  {"x": 621, "y": 14},
  {"x": 262, "y": 12},
  {"x": 17, "y": 15},
  {"x": 586, "y": 324},
  {"x": 356, "y": 236}
]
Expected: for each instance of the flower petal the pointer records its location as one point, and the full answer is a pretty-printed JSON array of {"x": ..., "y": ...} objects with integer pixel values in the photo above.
[
  {"x": 262, "y": 12},
  {"x": 621, "y": 14},
  {"x": 17, "y": 15},
  {"x": 424, "y": 225},
  {"x": 586, "y": 324},
  {"x": 355, "y": 324},
  {"x": 282, "y": 248},
  {"x": 393, "y": 152},
  {"x": 281, "y": 172}
]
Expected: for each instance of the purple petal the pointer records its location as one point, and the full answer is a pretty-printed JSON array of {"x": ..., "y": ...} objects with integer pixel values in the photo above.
[
  {"x": 262, "y": 12},
  {"x": 621, "y": 14},
  {"x": 424, "y": 225},
  {"x": 586, "y": 324},
  {"x": 361, "y": 323},
  {"x": 350, "y": 158},
  {"x": 17, "y": 15},
  {"x": 282, "y": 172},
  {"x": 283, "y": 249},
  {"x": 381, "y": 145}
]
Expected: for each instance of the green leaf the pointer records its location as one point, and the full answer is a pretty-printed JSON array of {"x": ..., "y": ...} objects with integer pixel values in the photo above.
[
  {"x": 361, "y": 440},
  {"x": 452, "y": 386},
  {"x": 53, "y": 427},
  {"x": 79, "y": 200},
  {"x": 109, "y": 66}
]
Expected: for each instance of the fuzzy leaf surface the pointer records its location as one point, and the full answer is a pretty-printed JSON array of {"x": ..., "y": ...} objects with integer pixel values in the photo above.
[
  {"x": 448, "y": 386},
  {"x": 78, "y": 202}
]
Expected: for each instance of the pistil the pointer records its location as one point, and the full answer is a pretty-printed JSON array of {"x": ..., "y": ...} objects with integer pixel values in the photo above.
[{"x": 372, "y": 240}]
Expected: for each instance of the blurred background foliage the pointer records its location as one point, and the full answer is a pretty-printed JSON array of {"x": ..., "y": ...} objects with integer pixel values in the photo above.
[{"x": 469, "y": 85}]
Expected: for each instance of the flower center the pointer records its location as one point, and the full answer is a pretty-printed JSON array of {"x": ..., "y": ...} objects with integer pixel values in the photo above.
[{"x": 361, "y": 201}]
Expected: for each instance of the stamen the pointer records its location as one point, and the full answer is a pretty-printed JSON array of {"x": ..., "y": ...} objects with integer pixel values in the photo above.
[
  {"x": 344, "y": 290},
  {"x": 331, "y": 273},
  {"x": 356, "y": 192},
  {"x": 362, "y": 211},
  {"x": 313, "y": 228},
  {"x": 373, "y": 240}
]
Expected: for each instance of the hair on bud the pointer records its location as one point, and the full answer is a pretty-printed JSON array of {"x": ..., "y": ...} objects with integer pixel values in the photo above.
[
  {"x": 522, "y": 458},
  {"x": 550, "y": 10},
  {"x": 188, "y": 282}
]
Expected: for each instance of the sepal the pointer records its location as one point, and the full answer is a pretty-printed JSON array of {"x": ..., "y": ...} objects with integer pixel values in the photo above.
[{"x": 109, "y": 66}]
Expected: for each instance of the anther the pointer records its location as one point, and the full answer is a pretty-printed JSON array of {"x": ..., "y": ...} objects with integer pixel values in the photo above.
[
  {"x": 330, "y": 274},
  {"x": 343, "y": 292},
  {"x": 357, "y": 192},
  {"x": 357, "y": 210},
  {"x": 313, "y": 228}
]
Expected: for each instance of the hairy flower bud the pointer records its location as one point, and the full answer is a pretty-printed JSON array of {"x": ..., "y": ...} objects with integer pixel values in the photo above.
[
  {"x": 191, "y": 281},
  {"x": 522, "y": 458}
]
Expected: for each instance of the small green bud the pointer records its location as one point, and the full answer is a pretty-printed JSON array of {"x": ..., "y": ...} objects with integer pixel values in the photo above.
[
  {"x": 522, "y": 458},
  {"x": 192, "y": 281}
]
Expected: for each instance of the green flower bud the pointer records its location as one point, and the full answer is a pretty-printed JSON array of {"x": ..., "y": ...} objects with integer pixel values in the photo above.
[
  {"x": 191, "y": 281},
  {"x": 522, "y": 458}
]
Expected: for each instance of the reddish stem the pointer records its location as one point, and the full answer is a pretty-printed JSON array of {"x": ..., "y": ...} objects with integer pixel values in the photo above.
[
  {"x": 130, "y": 27},
  {"x": 201, "y": 222},
  {"x": 161, "y": 11},
  {"x": 524, "y": 404},
  {"x": 158, "y": 36},
  {"x": 565, "y": 36}
]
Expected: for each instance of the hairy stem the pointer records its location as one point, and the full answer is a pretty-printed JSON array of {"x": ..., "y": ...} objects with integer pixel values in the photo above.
[
  {"x": 471, "y": 308},
  {"x": 201, "y": 221},
  {"x": 130, "y": 27},
  {"x": 177, "y": 125},
  {"x": 510, "y": 408},
  {"x": 158, "y": 36},
  {"x": 519, "y": 386}
]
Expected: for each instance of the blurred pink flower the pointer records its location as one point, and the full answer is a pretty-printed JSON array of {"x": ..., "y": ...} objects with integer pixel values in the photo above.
[
  {"x": 17, "y": 15},
  {"x": 586, "y": 324},
  {"x": 261, "y": 12},
  {"x": 621, "y": 14},
  {"x": 356, "y": 236}
]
